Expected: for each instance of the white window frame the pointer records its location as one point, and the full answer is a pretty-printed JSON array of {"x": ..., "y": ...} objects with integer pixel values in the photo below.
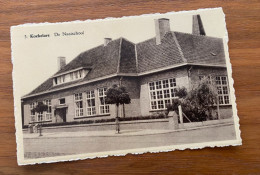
[
  {"x": 48, "y": 113},
  {"x": 32, "y": 117},
  {"x": 69, "y": 76},
  {"x": 91, "y": 108},
  {"x": 222, "y": 90},
  {"x": 78, "y": 100},
  {"x": 162, "y": 93},
  {"x": 103, "y": 108}
]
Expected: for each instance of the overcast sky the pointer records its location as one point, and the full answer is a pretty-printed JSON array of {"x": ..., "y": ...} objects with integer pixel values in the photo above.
[{"x": 35, "y": 59}]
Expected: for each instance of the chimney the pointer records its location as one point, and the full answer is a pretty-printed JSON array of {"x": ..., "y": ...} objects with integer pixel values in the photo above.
[
  {"x": 197, "y": 26},
  {"x": 162, "y": 26},
  {"x": 106, "y": 41},
  {"x": 61, "y": 62}
]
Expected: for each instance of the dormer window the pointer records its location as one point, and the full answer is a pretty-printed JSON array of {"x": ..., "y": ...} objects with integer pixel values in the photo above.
[{"x": 69, "y": 76}]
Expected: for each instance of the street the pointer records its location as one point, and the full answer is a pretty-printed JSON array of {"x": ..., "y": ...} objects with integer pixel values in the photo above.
[{"x": 48, "y": 147}]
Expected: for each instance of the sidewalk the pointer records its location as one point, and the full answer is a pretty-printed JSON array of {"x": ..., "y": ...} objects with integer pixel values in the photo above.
[{"x": 112, "y": 133}]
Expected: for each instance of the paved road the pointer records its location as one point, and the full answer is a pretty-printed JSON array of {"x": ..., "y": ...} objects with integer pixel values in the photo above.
[{"x": 46, "y": 147}]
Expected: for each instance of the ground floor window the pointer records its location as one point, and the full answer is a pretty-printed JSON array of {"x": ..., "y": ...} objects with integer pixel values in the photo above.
[
  {"x": 79, "y": 105},
  {"x": 162, "y": 93},
  {"x": 40, "y": 117},
  {"x": 103, "y": 107},
  {"x": 48, "y": 115},
  {"x": 221, "y": 84},
  {"x": 222, "y": 87},
  {"x": 33, "y": 113},
  {"x": 91, "y": 106}
]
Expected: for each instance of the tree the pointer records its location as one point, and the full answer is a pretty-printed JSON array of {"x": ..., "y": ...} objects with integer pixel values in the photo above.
[
  {"x": 198, "y": 103},
  {"x": 40, "y": 108},
  {"x": 117, "y": 95}
]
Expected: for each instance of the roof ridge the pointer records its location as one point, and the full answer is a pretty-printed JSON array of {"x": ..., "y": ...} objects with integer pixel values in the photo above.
[
  {"x": 206, "y": 36},
  {"x": 179, "y": 47}
]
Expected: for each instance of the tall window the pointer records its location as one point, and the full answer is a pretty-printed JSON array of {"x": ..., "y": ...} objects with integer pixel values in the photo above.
[
  {"x": 39, "y": 116},
  {"x": 103, "y": 107},
  {"x": 222, "y": 86},
  {"x": 78, "y": 104},
  {"x": 48, "y": 115},
  {"x": 32, "y": 106},
  {"x": 91, "y": 107},
  {"x": 162, "y": 93}
]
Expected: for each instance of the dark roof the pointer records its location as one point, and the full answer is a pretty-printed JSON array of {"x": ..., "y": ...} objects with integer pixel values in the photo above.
[
  {"x": 201, "y": 49},
  {"x": 123, "y": 56},
  {"x": 151, "y": 56}
]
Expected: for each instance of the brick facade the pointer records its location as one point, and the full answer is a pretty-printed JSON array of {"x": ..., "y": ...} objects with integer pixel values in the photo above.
[{"x": 138, "y": 89}]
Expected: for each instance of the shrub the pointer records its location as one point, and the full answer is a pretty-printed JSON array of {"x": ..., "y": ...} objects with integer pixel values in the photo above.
[{"x": 197, "y": 104}]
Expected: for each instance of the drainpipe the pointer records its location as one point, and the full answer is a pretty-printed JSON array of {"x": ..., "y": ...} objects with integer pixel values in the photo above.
[
  {"x": 120, "y": 84},
  {"x": 189, "y": 74}
]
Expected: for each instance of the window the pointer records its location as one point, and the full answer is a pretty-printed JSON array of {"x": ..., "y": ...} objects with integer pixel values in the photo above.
[
  {"x": 61, "y": 79},
  {"x": 48, "y": 115},
  {"x": 103, "y": 107},
  {"x": 32, "y": 106},
  {"x": 91, "y": 107},
  {"x": 62, "y": 101},
  {"x": 69, "y": 76},
  {"x": 222, "y": 87},
  {"x": 39, "y": 116},
  {"x": 207, "y": 78},
  {"x": 162, "y": 93},
  {"x": 79, "y": 105}
]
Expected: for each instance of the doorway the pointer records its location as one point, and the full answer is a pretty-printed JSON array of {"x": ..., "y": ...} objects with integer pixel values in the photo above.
[{"x": 61, "y": 115}]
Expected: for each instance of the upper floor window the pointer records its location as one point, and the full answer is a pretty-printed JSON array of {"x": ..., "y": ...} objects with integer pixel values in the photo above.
[
  {"x": 103, "y": 107},
  {"x": 91, "y": 106},
  {"x": 79, "y": 105},
  {"x": 70, "y": 76},
  {"x": 162, "y": 93}
]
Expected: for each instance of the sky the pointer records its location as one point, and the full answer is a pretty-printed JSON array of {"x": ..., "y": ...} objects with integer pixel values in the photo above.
[{"x": 35, "y": 59}]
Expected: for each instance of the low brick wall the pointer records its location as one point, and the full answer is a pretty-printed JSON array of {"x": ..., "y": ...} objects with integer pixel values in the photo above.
[
  {"x": 206, "y": 123},
  {"x": 125, "y": 125},
  {"x": 159, "y": 124}
]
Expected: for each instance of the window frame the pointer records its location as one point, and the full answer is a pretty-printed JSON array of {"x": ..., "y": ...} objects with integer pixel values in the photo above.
[
  {"x": 78, "y": 110},
  {"x": 106, "y": 109},
  {"x": 160, "y": 92},
  {"x": 91, "y": 110},
  {"x": 220, "y": 88},
  {"x": 48, "y": 113},
  {"x": 60, "y": 101}
]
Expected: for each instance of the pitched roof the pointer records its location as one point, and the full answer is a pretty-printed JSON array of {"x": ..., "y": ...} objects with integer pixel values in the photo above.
[
  {"x": 123, "y": 56},
  {"x": 101, "y": 60},
  {"x": 201, "y": 49},
  {"x": 151, "y": 56}
]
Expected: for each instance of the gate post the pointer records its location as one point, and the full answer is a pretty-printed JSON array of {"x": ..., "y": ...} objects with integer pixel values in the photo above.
[{"x": 181, "y": 116}]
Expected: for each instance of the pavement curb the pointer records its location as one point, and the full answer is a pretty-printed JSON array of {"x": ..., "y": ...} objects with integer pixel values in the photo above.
[{"x": 125, "y": 135}]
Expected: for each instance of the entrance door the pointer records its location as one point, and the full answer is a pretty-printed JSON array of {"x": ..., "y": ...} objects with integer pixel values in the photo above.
[{"x": 61, "y": 115}]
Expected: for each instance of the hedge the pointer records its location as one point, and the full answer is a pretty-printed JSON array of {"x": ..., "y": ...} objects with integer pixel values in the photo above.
[{"x": 160, "y": 116}]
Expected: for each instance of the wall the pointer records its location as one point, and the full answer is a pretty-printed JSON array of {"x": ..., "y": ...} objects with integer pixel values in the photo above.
[
  {"x": 131, "y": 110},
  {"x": 68, "y": 94},
  {"x": 133, "y": 88}
]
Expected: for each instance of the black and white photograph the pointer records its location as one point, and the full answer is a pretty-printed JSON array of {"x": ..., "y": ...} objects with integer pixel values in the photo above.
[{"x": 98, "y": 88}]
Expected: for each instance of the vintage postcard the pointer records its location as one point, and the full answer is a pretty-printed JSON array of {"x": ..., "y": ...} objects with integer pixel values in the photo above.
[{"x": 114, "y": 86}]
